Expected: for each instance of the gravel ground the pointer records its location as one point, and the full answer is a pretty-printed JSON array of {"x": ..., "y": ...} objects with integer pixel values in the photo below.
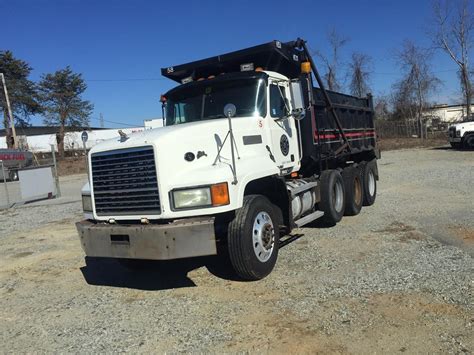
[{"x": 396, "y": 278}]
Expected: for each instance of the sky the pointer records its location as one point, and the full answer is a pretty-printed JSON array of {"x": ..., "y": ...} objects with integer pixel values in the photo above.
[{"x": 120, "y": 46}]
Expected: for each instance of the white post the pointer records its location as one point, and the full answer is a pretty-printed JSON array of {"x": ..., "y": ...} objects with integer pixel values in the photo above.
[
  {"x": 56, "y": 177},
  {"x": 5, "y": 183},
  {"x": 15, "y": 142}
]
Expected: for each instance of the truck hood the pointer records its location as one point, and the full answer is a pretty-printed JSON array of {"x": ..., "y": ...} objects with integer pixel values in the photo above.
[
  {"x": 463, "y": 125},
  {"x": 173, "y": 145},
  {"x": 158, "y": 136}
]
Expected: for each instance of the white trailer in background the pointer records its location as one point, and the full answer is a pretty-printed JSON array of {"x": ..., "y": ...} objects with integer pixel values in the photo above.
[{"x": 72, "y": 140}]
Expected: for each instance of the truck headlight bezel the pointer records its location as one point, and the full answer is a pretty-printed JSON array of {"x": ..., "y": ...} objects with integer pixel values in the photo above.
[
  {"x": 87, "y": 203},
  {"x": 204, "y": 197}
]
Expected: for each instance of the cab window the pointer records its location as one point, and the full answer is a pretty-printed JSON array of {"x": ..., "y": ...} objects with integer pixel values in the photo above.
[{"x": 277, "y": 101}]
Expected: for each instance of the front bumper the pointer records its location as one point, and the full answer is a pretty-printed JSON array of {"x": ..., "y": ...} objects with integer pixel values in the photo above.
[
  {"x": 181, "y": 239},
  {"x": 454, "y": 139}
]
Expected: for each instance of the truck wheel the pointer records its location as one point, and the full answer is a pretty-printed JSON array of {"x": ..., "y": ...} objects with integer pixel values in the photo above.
[
  {"x": 253, "y": 238},
  {"x": 332, "y": 196},
  {"x": 354, "y": 190},
  {"x": 13, "y": 175},
  {"x": 369, "y": 181},
  {"x": 469, "y": 141},
  {"x": 455, "y": 145}
]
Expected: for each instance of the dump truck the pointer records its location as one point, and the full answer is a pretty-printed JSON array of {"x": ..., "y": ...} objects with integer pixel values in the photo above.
[
  {"x": 253, "y": 147},
  {"x": 13, "y": 160}
]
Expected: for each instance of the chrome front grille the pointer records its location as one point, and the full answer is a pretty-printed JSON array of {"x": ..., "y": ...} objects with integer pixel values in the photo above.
[
  {"x": 124, "y": 182},
  {"x": 452, "y": 132}
]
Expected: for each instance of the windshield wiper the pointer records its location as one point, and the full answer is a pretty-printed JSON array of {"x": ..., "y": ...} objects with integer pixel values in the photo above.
[{"x": 215, "y": 116}]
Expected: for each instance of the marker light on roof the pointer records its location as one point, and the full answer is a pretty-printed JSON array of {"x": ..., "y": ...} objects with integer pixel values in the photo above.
[
  {"x": 186, "y": 80},
  {"x": 246, "y": 67}
]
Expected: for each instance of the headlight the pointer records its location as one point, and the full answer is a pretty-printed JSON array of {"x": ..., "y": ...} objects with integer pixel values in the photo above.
[
  {"x": 207, "y": 196},
  {"x": 458, "y": 133},
  {"x": 87, "y": 203},
  {"x": 192, "y": 198}
]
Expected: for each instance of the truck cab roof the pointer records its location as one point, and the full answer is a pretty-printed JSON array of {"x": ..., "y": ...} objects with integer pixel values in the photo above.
[{"x": 276, "y": 56}]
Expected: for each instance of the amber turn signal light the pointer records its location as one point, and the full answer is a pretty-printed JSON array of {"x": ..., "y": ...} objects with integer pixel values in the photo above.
[
  {"x": 306, "y": 67},
  {"x": 220, "y": 194}
]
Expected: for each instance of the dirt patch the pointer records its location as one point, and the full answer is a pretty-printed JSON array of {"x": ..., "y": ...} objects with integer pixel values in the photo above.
[
  {"x": 405, "y": 233},
  {"x": 463, "y": 234},
  {"x": 406, "y": 143},
  {"x": 396, "y": 227},
  {"x": 22, "y": 255}
]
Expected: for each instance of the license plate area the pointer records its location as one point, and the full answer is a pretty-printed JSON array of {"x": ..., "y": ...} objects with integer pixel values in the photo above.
[{"x": 120, "y": 239}]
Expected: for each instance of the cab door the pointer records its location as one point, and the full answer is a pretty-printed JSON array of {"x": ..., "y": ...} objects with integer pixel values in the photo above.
[{"x": 282, "y": 127}]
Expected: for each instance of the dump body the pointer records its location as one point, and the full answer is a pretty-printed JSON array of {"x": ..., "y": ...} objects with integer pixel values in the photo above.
[{"x": 321, "y": 138}]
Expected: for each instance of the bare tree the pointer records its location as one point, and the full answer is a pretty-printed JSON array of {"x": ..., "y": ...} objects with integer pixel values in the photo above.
[
  {"x": 454, "y": 34},
  {"x": 359, "y": 73},
  {"x": 381, "y": 107},
  {"x": 332, "y": 62},
  {"x": 417, "y": 83}
]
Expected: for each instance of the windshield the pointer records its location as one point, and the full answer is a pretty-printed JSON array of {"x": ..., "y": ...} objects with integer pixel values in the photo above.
[{"x": 207, "y": 101}]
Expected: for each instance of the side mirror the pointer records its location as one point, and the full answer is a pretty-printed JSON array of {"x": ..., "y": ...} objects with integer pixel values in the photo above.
[
  {"x": 287, "y": 107},
  {"x": 296, "y": 91},
  {"x": 230, "y": 110}
]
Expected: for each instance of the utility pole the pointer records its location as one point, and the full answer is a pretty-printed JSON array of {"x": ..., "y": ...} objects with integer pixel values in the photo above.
[
  {"x": 101, "y": 121},
  {"x": 15, "y": 142}
]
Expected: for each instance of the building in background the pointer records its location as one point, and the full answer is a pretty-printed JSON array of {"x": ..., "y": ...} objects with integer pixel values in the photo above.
[
  {"x": 153, "y": 123},
  {"x": 39, "y": 139},
  {"x": 447, "y": 113}
]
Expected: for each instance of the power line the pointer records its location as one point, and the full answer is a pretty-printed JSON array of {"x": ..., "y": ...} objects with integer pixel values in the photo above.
[{"x": 118, "y": 123}]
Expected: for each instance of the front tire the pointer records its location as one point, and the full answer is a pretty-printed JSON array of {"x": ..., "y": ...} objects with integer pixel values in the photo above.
[
  {"x": 455, "y": 145},
  {"x": 253, "y": 238},
  {"x": 468, "y": 141}
]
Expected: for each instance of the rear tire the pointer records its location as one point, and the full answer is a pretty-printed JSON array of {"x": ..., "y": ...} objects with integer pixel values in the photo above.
[
  {"x": 468, "y": 141},
  {"x": 253, "y": 238},
  {"x": 353, "y": 190},
  {"x": 332, "y": 196},
  {"x": 369, "y": 180}
]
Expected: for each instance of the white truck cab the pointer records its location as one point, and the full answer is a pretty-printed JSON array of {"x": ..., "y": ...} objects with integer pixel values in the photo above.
[{"x": 192, "y": 155}]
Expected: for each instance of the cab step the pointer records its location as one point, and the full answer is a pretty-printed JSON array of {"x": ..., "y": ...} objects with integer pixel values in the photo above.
[{"x": 309, "y": 218}]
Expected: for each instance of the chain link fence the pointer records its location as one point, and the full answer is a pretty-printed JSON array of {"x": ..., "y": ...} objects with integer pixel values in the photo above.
[{"x": 401, "y": 129}]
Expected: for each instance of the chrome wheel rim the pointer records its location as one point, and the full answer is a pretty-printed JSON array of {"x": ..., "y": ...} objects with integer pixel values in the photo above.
[
  {"x": 338, "y": 196},
  {"x": 263, "y": 236},
  {"x": 371, "y": 183}
]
